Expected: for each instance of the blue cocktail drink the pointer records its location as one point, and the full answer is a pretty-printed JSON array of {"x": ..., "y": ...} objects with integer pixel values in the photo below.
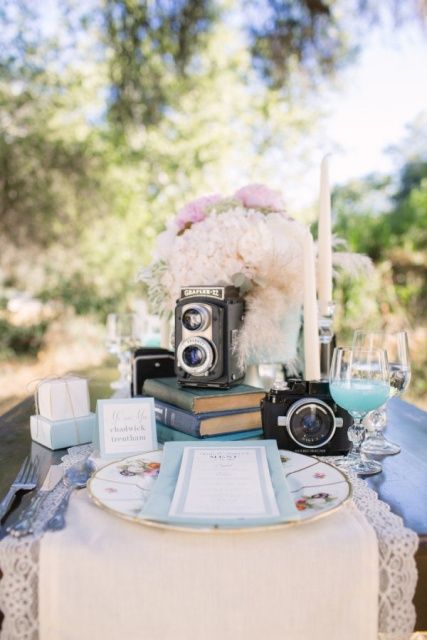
[
  {"x": 360, "y": 395},
  {"x": 359, "y": 382}
]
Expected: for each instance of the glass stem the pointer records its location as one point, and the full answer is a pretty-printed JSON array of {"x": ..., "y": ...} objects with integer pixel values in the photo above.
[
  {"x": 377, "y": 435},
  {"x": 377, "y": 420},
  {"x": 356, "y": 435}
]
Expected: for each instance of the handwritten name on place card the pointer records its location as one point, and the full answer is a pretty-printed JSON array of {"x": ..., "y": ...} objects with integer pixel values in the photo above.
[{"x": 126, "y": 426}]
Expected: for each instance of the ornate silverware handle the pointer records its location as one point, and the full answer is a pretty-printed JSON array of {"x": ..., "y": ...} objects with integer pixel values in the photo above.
[
  {"x": 25, "y": 526},
  {"x": 57, "y": 521},
  {"x": 7, "y": 500}
]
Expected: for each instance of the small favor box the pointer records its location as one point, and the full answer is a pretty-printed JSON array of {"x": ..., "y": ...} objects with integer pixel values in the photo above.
[
  {"x": 63, "y": 398},
  {"x": 60, "y": 434}
]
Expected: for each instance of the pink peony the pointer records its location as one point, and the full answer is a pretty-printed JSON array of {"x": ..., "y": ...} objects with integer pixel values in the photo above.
[
  {"x": 258, "y": 196},
  {"x": 196, "y": 210}
]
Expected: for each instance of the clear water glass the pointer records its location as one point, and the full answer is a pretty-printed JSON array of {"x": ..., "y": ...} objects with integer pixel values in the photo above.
[
  {"x": 397, "y": 348},
  {"x": 359, "y": 383},
  {"x": 122, "y": 336}
]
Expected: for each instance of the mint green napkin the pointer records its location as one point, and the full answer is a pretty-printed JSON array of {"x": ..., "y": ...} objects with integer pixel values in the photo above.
[{"x": 158, "y": 505}]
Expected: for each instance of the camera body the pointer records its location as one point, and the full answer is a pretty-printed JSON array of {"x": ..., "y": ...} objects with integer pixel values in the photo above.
[
  {"x": 207, "y": 325},
  {"x": 303, "y": 417},
  {"x": 150, "y": 362}
]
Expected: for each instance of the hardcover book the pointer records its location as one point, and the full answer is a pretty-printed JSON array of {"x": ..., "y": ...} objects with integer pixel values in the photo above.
[
  {"x": 167, "y": 434},
  {"x": 207, "y": 424},
  {"x": 197, "y": 400}
]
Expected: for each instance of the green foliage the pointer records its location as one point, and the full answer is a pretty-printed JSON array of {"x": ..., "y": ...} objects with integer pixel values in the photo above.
[
  {"x": 20, "y": 341},
  {"x": 386, "y": 218},
  {"x": 126, "y": 109},
  {"x": 293, "y": 44},
  {"x": 87, "y": 183},
  {"x": 391, "y": 231},
  {"x": 298, "y": 45},
  {"x": 292, "y": 34},
  {"x": 162, "y": 38},
  {"x": 359, "y": 215}
]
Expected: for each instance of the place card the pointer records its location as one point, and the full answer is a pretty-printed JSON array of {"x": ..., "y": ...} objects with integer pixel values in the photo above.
[
  {"x": 126, "y": 426},
  {"x": 223, "y": 483}
]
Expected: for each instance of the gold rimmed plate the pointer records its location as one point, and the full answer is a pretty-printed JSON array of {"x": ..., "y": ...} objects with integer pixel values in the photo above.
[{"x": 122, "y": 488}]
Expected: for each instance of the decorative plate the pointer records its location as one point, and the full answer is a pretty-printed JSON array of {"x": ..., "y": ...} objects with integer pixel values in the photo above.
[{"x": 122, "y": 488}]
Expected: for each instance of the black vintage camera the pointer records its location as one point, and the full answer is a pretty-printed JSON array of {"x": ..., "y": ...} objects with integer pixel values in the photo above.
[
  {"x": 303, "y": 417},
  {"x": 150, "y": 362},
  {"x": 207, "y": 324}
]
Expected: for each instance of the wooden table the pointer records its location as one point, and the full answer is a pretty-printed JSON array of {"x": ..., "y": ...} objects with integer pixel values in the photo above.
[{"x": 402, "y": 484}]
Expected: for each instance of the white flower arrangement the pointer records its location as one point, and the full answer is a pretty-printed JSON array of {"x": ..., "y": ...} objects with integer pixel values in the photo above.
[{"x": 247, "y": 241}]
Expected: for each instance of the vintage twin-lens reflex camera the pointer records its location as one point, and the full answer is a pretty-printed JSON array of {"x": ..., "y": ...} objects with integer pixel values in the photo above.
[
  {"x": 207, "y": 325},
  {"x": 302, "y": 416}
]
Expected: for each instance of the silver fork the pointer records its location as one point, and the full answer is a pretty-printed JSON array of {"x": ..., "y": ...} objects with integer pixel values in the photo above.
[{"x": 26, "y": 480}]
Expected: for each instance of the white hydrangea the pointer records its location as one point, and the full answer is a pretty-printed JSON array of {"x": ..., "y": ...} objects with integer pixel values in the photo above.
[{"x": 261, "y": 252}]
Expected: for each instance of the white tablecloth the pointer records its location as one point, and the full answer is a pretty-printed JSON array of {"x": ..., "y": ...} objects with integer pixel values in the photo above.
[
  {"x": 103, "y": 578},
  {"x": 20, "y": 565}
]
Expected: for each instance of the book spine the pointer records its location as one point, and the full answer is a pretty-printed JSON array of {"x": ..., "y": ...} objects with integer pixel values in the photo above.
[
  {"x": 177, "y": 419},
  {"x": 168, "y": 394},
  {"x": 237, "y": 435},
  {"x": 167, "y": 434}
]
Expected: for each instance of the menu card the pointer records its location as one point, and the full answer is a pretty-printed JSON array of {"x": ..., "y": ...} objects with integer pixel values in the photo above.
[{"x": 223, "y": 483}]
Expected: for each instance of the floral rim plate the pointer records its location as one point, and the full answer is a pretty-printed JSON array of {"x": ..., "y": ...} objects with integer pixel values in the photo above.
[{"x": 122, "y": 488}]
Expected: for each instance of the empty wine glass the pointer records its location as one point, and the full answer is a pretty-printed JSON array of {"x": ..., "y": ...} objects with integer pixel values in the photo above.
[
  {"x": 359, "y": 382},
  {"x": 122, "y": 337},
  {"x": 396, "y": 346}
]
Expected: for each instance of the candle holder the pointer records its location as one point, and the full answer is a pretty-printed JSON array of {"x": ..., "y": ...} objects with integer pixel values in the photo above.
[{"x": 326, "y": 339}]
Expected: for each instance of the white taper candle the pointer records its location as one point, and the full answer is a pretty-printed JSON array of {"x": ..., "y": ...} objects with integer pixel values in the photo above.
[
  {"x": 311, "y": 329},
  {"x": 324, "y": 262}
]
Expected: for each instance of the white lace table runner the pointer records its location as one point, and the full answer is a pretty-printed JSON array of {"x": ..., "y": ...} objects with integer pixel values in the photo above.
[{"x": 397, "y": 547}]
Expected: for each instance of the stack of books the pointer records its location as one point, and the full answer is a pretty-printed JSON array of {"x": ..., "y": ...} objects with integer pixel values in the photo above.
[{"x": 187, "y": 413}]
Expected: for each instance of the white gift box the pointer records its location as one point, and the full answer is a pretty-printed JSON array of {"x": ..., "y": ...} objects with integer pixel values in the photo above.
[
  {"x": 63, "y": 398},
  {"x": 59, "y": 434}
]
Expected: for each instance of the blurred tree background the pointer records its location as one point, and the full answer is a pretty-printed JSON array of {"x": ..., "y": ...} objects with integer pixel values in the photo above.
[{"x": 113, "y": 113}]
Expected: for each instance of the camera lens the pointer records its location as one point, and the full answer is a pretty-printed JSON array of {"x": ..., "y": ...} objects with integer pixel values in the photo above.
[
  {"x": 193, "y": 356},
  {"x": 192, "y": 319},
  {"x": 311, "y": 424},
  {"x": 196, "y": 355},
  {"x": 195, "y": 318}
]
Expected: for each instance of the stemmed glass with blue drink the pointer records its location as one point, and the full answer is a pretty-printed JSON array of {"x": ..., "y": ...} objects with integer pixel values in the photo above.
[{"x": 359, "y": 382}]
